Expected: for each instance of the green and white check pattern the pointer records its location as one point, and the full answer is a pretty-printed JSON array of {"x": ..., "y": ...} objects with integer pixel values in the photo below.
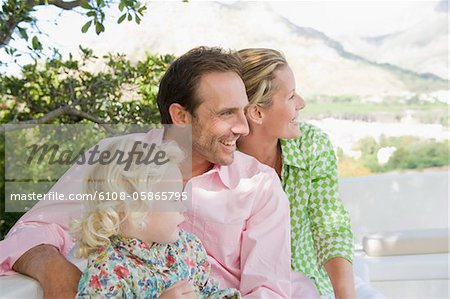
[{"x": 320, "y": 224}]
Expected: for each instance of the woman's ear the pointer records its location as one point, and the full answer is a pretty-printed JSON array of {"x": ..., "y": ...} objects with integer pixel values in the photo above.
[
  {"x": 254, "y": 114},
  {"x": 179, "y": 115}
]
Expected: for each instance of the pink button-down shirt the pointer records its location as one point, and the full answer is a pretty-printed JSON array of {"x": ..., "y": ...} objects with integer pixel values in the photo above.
[{"x": 240, "y": 213}]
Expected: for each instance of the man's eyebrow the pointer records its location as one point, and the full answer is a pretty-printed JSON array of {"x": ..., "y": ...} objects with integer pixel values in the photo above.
[{"x": 226, "y": 109}]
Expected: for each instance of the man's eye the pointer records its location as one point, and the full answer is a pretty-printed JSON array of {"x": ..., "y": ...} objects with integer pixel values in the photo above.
[{"x": 225, "y": 113}]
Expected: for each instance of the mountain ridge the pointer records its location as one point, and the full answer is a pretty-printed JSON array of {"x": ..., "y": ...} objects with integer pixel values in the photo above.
[
  {"x": 322, "y": 65},
  {"x": 341, "y": 50}
]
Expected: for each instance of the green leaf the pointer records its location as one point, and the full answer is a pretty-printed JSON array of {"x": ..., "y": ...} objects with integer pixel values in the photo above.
[
  {"x": 36, "y": 43},
  {"x": 138, "y": 19},
  {"x": 23, "y": 33},
  {"x": 142, "y": 9},
  {"x": 121, "y": 5},
  {"x": 99, "y": 28},
  {"x": 99, "y": 2},
  {"x": 86, "y": 5},
  {"x": 122, "y": 17},
  {"x": 130, "y": 17},
  {"x": 86, "y": 26},
  {"x": 91, "y": 14}
]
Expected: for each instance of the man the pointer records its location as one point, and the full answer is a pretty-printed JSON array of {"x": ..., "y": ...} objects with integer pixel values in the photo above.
[{"x": 239, "y": 210}]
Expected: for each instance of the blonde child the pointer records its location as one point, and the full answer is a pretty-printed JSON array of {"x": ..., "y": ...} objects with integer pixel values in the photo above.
[{"x": 132, "y": 241}]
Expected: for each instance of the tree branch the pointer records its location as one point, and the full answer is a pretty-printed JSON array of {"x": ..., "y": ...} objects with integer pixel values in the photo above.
[
  {"x": 65, "y": 110},
  {"x": 13, "y": 21},
  {"x": 62, "y": 4},
  {"x": 11, "y": 24}
]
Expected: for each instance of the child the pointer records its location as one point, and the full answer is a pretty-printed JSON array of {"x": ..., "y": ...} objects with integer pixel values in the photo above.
[{"x": 133, "y": 245}]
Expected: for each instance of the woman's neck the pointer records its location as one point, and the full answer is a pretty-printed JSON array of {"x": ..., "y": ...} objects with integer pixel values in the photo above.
[{"x": 265, "y": 150}]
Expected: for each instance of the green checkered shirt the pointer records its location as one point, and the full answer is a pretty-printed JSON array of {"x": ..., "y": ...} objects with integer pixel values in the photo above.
[{"x": 320, "y": 224}]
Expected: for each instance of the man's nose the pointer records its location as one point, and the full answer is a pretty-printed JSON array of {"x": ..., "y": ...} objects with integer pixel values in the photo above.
[{"x": 241, "y": 125}]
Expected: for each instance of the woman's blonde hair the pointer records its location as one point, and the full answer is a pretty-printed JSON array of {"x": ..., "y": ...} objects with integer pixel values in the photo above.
[
  {"x": 103, "y": 218},
  {"x": 258, "y": 72}
]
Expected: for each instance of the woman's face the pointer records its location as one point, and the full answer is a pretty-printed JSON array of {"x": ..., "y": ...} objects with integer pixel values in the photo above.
[{"x": 281, "y": 119}]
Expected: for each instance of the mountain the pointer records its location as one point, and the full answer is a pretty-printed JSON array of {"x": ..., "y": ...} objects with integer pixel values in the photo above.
[
  {"x": 321, "y": 64},
  {"x": 422, "y": 48}
]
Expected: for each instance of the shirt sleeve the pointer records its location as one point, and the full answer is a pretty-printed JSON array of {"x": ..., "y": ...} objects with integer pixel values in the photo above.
[
  {"x": 28, "y": 235},
  {"x": 265, "y": 250},
  {"x": 47, "y": 222},
  {"x": 331, "y": 225}
]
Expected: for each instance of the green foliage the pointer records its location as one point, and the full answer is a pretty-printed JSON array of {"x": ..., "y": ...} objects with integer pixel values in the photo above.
[
  {"x": 119, "y": 92},
  {"x": 17, "y": 20},
  {"x": 390, "y": 110},
  {"x": 411, "y": 153},
  {"x": 414, "y": 153}
]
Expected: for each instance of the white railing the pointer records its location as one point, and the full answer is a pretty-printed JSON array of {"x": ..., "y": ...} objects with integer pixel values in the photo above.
[{"x": 401, "y": 228}]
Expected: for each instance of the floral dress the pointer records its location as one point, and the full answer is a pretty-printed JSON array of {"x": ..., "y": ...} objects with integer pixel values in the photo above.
[{"x": 130, "y": 268}]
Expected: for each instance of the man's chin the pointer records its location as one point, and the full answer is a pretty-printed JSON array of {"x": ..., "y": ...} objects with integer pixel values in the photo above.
[{"x": 225, "y": 161}]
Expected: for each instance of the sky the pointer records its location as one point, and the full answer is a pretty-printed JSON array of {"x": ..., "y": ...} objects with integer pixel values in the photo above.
[{"x": 337, "y": 19}]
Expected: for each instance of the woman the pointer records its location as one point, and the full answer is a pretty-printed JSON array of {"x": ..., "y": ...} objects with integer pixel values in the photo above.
[{"x": 303, "y": 157}]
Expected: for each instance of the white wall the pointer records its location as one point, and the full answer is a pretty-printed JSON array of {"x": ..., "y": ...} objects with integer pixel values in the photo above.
[{"x": 392, "y": 202}]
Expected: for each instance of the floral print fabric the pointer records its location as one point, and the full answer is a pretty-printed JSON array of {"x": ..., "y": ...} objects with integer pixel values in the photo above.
[{"x": 130, "y": 268}]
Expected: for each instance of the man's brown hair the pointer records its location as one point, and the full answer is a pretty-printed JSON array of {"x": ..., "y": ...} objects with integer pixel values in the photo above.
[{"x": 180, "y": 82}]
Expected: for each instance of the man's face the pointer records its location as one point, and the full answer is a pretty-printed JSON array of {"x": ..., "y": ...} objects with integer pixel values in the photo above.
[{"x": 219, "y": 120}]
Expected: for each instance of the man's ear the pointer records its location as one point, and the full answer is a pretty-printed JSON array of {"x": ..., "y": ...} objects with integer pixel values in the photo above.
[
  {"x": 254, "y": 114},
  {"x": 179, "y": 115}
]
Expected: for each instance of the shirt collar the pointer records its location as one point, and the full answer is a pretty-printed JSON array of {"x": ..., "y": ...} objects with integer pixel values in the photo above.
[
  {"x": 150, "y": 254},
  {"x": 155, "y": 136},
  {"x": 222, "y": 172},
  {"x": 292, "y": 153}
]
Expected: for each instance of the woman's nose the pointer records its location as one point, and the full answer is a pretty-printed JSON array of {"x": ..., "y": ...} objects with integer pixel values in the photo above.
[{"x": 300, "y": 103}]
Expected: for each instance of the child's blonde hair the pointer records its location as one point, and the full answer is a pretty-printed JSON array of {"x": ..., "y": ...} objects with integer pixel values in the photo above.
[{"x": 122, "y": 184}]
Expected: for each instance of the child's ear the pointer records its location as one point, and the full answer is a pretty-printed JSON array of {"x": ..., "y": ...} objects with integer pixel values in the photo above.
[
  {"x": 254, "y": 114},
  {"x": 179, "y": 115}
]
